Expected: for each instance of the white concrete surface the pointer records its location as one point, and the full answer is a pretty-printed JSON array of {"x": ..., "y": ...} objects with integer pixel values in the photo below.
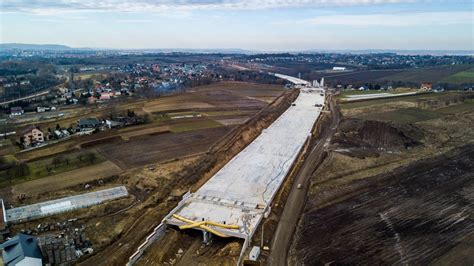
[
  {"x": 293, "y": 80},
  {"x": 359, "y": 97},
  {"x": 242, "y": 190}
]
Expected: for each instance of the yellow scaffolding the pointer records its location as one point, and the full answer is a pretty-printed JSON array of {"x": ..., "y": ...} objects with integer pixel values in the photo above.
[{"x": 204, "y": 225}]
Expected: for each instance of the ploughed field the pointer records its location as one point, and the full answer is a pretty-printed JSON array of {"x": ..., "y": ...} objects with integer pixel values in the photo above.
[
  {"x": 417, "y": 214},
  {"x": 161, "y": 147}
]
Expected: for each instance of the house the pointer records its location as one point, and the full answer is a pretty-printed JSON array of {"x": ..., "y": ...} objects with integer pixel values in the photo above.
[
  {"x": 105, "y": 96},
  {"x": 21, "y": 250},
  {"x": 86, "y": 124},
  {"x": 91, "y": 100},
  {"x": 32, "y": 135},
  {"x": 426, "y": 86},
  {"x": 14, "y": 111},
  {"x": 63, "y": 90}
]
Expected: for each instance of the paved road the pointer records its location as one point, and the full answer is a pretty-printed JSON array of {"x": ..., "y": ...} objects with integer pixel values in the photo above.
[{"x": 297, "y": 198}]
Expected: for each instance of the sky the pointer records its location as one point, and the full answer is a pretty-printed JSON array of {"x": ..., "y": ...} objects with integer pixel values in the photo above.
[{"x": 263, "y": 25}]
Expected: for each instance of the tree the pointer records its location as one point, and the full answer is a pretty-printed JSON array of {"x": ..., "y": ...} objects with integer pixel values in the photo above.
[
  {"x": 57, "y": 160},
  {"x": 49, "y": 169},
  {"x": 91, "y": 157},
  {"x": 21, "y": 169}
]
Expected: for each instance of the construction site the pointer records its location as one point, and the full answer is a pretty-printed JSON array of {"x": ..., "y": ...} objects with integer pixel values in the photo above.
[{"x": 269, "y": 183}]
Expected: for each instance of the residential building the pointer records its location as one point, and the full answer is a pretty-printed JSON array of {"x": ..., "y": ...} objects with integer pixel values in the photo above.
[
  {"x": 17, "y": 110},
  {"x": 32, "y": 135},
  {"x": 426, "y": 86},
  {"x": 21, "y": 250},
  {"x": 86, "y": 124}
]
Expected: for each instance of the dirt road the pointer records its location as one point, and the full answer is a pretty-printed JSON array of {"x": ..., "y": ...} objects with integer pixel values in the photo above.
[{"x": 296, "y": 199}]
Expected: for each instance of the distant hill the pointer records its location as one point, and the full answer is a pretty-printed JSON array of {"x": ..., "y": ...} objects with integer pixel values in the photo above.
[{"x": 26, "y": 46}]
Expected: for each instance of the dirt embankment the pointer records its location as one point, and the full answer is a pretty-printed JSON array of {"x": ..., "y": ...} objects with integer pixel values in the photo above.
[
  {"x": 365, "y": 138},
  {"x": 142, "y": 220},
  {"x": 447, "y": 100},
  {"x": 417, "y": 214}
]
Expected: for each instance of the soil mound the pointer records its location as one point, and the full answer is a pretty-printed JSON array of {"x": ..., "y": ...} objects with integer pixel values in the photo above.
[{"x": 364, "y": 138}]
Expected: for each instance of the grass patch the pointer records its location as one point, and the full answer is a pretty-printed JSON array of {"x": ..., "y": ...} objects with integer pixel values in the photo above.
[
  {"x": 172, "y": 114},
  {"x": 407, "y": 98},
  {"x": 466, "y": 76},
  {"x": 90, "y": 75},
  {"x": 459, "y": 108},
  {"x": 406, "y": 115},
  {"x": 194, "y": 125},
  {"x": 23, "y": 172},
  {"x": 221, "y": 113},
  {"x": 395, "y": 91}
]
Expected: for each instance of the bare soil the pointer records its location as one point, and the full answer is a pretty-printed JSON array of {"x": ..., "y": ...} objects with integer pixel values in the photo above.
[
  {"x": 414, "y": 215},
  {"x": 158, "y": 148}
]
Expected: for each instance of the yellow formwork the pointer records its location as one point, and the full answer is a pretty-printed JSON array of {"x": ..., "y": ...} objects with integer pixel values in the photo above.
[{"x": 204, "y": 225}]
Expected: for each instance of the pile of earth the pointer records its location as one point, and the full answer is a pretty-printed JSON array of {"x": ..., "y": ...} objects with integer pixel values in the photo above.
[{"x": 367, "y": 138}]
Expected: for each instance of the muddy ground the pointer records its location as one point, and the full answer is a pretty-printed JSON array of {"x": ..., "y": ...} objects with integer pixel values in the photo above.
[
  {"x": 151, "y": 149},
  {"x": 416, "y": 215}
]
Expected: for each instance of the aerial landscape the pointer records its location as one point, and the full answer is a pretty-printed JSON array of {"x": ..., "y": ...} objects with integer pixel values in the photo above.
[{"x": 303, "y": 132}]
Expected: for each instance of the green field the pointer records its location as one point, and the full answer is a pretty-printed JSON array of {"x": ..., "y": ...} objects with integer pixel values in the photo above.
[
  {"x": 194, "y": 125},
  {"x": 409, "y": 98},
  {"x": 406, "y": 115},
  {"x": 46, "y": 167},
  {"x": 466, "y": 76},
  {"x": 459, "y": 108},
  {"x": 88, "y": 75},
  {"x": 396, "y": 91},
  {"x": 428, "y": 74}
]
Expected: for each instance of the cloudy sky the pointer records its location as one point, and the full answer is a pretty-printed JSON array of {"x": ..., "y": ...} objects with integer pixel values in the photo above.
[{"x": 270, "y": 25}]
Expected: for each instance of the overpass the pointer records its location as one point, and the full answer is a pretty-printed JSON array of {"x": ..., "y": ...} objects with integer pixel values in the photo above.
[{"x": 293, "y": 80}]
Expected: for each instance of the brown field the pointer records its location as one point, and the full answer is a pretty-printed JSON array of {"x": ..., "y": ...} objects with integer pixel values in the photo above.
[
  {"x": 67, "y": 179},
  {"x": 158, "y": 148}
]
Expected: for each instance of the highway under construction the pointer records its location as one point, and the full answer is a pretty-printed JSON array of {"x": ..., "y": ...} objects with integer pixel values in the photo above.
[{"x": 236, "y": 199}]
